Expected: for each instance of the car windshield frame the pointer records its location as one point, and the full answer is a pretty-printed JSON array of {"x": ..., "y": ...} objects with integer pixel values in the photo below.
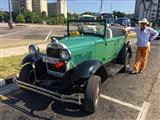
[{"x": 80, "y": 21}]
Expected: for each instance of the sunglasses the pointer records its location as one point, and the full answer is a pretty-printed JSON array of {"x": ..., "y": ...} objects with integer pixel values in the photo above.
[{"x": 144, "y": 23}]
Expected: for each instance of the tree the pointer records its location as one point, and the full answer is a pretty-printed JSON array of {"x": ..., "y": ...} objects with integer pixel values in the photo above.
[
  {"x": 20, "y": 18},
  {"x": 1, "y": 16},
  {"x": 32, "y": 17},
  {"x": 69, "y": 15},
  {"x": 4, "y": 16},
  {"x": 37, "y": 18},
  {"x": 28, "y": 16},
  {"x": 119, "y": 14},
  {"x": 44, "y": 16}
]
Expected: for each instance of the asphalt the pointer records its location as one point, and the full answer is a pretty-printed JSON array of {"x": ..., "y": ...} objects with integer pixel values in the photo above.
[
  {"x": 28, "y": 34},
  {"x": 124, "y": 87}
]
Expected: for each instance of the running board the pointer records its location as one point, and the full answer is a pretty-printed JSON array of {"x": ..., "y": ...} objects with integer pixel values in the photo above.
[{"x": 49, "y": 93}]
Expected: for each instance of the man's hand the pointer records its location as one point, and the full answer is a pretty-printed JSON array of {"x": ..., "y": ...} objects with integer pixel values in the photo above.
[{"x": 125, "y": 31}]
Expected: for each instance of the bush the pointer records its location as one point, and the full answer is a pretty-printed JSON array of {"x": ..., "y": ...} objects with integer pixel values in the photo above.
[
  {"x": 51, "y": 21},
  {"x": 20, "y": 18},
  {"x": 44, "y": 16},
  {"x": 56, "y": 19},
  {"x": 32, "y": 17}
]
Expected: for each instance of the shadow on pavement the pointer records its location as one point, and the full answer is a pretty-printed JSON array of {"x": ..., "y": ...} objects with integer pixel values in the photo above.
[
  {"x": 29, "y": 102},
  {"x": 69, "y": 109},
  {"x": 32, "y": 101}
]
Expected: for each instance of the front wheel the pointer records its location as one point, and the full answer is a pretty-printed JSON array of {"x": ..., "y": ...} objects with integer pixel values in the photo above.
[
  {"x": 92, "y": 94},
  {"x": 26, "y": 74}
]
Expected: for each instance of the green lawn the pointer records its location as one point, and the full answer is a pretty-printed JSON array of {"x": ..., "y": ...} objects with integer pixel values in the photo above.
[{"x": 10, "y": 66}]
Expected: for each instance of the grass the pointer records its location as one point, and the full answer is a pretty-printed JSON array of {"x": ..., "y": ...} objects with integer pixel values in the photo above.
[
  {"x": 10, "y": 66},
  {"x": 25, "y": 43}
]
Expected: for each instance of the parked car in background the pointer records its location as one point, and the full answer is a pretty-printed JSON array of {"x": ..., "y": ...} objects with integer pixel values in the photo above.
[
  {"x": 73, "y": 68},
  {"x": 158, "y": 29},
  {"x": 123, "y": 21},
  {"x": 87, "y": 17},
  {"x": 107, "y": 16}
]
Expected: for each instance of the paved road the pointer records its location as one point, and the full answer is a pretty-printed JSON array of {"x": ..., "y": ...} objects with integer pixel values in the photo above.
[
  {"x": 128, "y": 93},
  {"x": 28, "y": 34}
]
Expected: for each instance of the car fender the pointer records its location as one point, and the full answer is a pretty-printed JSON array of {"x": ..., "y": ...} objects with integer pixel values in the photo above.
[
  {"x": 90, "y": 67},
  {"x": 82, "y": 72},
  {"x": 30, "y": 59}
]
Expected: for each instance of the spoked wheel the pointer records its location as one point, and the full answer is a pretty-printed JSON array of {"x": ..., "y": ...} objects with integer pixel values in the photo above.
[
  {"x": 127, "y": 62},
  {"x": 92, "y": 94}
]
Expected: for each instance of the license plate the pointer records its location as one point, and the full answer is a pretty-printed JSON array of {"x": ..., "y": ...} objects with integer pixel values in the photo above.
[{"x": 50, "y": 60}]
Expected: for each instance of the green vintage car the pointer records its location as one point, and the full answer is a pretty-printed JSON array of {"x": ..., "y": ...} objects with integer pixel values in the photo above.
[{"x": 74, "y": 67}]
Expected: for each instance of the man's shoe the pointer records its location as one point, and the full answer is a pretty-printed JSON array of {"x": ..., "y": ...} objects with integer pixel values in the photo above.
[
  {"x": 140, "y": 71},
  {"x": 133, "y": 72}
]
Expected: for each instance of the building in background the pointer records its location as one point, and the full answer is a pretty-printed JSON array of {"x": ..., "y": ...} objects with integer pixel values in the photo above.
[
  {"x": 149, "y": 9},
  {"x": 28, "y": 4},
  {"x": 59, "y": 7},
  {"x": 52, "y": 8},
  {"x": 32, "y": 5},
  {"x": 18, "y": 5},
  {"x": 62, "y": 7},
  {"x": 39, "y": 6}
]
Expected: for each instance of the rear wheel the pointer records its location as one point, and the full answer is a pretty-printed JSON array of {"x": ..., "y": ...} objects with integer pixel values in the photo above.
[{"x": 92, "y": 94}]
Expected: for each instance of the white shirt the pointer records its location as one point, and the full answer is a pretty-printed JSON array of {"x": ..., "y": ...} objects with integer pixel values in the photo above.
[{"x": 144, "y": 37}]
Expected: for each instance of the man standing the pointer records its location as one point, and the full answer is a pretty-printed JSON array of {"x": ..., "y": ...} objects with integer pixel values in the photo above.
[{"x": 144, "y": 36}]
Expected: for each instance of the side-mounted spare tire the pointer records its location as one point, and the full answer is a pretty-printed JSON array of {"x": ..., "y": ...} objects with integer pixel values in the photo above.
[{"x": 92, "y": 94}]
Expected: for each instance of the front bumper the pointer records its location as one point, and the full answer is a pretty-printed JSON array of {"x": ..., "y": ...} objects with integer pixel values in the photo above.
[{"x": 55, "y": 95}]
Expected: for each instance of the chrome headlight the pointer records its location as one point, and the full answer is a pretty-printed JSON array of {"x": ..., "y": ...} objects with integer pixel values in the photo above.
[
  {"x": 33, "y": 49},
  {"x": 65, "y": 55}
]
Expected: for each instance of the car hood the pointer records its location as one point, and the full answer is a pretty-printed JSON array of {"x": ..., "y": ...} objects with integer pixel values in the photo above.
[{"x": 80, "y": 42}]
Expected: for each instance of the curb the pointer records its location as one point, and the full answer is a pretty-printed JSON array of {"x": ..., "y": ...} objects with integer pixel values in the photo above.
[{"x": 8, "y": 86}]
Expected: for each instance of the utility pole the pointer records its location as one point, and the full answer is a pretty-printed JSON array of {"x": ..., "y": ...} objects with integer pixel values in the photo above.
[
  {"x": 101, "y": 6},
  {"x": 10, "y": 22},
  {"x": 111, "y": 8},
  {"x": 10, "y": 14}
]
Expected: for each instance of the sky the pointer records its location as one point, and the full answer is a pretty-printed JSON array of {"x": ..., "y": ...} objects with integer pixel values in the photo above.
[{"x": 80, "y": 6}]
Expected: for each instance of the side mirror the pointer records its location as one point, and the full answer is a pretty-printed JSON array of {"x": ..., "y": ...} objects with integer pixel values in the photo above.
[{"x": 54, "y": 40}]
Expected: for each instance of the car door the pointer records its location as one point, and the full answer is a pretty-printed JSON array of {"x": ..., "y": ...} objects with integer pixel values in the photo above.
[
  {"x": 113, "y": 43},
  {"x": 110, "y": 48}
]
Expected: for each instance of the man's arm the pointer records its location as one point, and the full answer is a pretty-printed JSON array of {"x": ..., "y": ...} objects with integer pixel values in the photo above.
[
  {"x": 129, "y": 29},
  {"x": 154, "y": 34}
]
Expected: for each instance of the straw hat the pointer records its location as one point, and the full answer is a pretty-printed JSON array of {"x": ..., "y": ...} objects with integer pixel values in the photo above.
[{"x": 144, "y": 20}]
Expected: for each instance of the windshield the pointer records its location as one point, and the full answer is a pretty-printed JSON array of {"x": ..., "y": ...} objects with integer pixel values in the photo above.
[{"x": 87, "y": 27}]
